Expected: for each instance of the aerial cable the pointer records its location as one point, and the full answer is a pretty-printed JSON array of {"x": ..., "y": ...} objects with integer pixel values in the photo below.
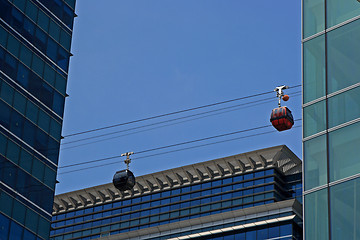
[
  {"x": 169, "y": 120},
  {"x": 167, "y": 152},
  {"x": 149, "y": 129},
  {"x": 172, "y": 145},
  {"x": 171, "y": 113},
  {"x": 168, "y": 146},
  {"x": 231, "y": 108}
]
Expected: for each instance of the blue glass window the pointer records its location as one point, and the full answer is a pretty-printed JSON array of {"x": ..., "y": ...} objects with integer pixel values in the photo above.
[
  {"x": 175, "y": 191},
  {"x": 227, "y": 188},
  {"x": 248, "y": 184},
  {"x": 216, "y": 183},
  {"x": 15, "y": 231},
  {"x": 206, "y": 185},
  {"x": 4, "y": 223}
]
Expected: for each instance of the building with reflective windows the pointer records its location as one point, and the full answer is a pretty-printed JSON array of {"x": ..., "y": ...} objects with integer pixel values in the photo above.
[
  {"x": 254, "y": 195},
  {"x": 331, "y": 118},
  {"x": 35, "y": 40}
]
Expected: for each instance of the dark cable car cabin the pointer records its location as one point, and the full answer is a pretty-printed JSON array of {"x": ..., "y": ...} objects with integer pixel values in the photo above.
[
  {"x": 124, "y": 180},
  {"x": 281, "y": 118}
]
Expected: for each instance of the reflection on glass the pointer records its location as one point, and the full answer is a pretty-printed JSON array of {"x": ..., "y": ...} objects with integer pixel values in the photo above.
[
  {"x": 314, "y": 68},
  {"x": 315, "y": 169},
  {"x": 314, "y": 118},
  {"x": 345, "y": 211},
  {"x": 339, "y": 11},
  {"x": 344, "y": 56},
  {"x": 314, "y": 17},
  {"x": 344, "y": 152},
  {"x": 316, "y": 215},
  {"x": 344, "y": 107}
]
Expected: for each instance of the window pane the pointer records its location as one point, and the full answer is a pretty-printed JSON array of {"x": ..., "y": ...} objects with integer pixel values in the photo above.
[
  {"x": 65, "y": 40},
  {"x": 6, "y": 203},
  {"x": 49, "y": 75},
  {"x": 13, "y": 45},
  {"x": 344, "y": 152},
  {"x": 315, "y": 169},
  {"x": 251, "y": 234},
  {"x": 343, "y": 56},
  {"x": 7, "y": 93},
  {"x": 3, "y": 37},
  {"x": 44, "y": 228},
  {"x": 49, "y": 177},
  {"x": 19, "y": 102},
  {"x": 43, "y": 21},
  {"x": 15, "y": 231},
  {"x": 13, "y": 152},
  {"x": 60, "y": 84},
  {"x": 314, "y": 17},
  {"x": 19, "y": 212},
  {"x": 314, "y": 68},
  {"x": 316, "y": 215},
  {"x": 31, "y": 10},
  {"x": 339, "y": 11},
  {"x": 4, "y": 226},
  {"x": 54, "y": 30},
  {"x": 344, "y": 107},
  {"x": 38, "y": 169},
  {"x": 44, "y": 121},
  {"x": 314, "y": 118},
  {"x": 38, "y": 65},
  {"x": 3, "y": 141},
  {"x": 25, "y": 55},
  {"x": 20, "y": 4},
  {"x": 286, "y": 230},
  {"x": 55, "y": 129},
  {"x": 345, "y": 211},
  {"x": 32, "y": 112},
  {"x": 25, "y": 160}
]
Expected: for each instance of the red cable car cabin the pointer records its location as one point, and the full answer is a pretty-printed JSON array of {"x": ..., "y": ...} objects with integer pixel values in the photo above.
[{"x": 281, "y": 118}]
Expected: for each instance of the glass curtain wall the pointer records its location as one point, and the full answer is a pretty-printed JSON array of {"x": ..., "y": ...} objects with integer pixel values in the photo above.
[
  {"x": 35, "y": 43},
  {"x": 331, "y": 118}
]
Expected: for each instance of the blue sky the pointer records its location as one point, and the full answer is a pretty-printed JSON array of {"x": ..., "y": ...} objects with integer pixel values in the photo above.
[{"x": 136, "y": 59}]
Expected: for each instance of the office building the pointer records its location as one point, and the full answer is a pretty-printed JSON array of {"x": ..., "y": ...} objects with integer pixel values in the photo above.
[
  {"x": 35, "y": 40},
  {"x": 253, "y": 195},
  {"x": 331, "y": 115}
]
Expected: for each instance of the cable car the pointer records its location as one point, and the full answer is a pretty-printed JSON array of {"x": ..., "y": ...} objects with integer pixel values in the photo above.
[
  {"x": 124, "y": 180},
  {"x": 281, "y": 117}
]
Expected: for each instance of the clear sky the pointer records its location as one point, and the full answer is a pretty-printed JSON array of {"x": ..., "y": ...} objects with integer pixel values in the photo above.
[{"x": 137, "y": 59}]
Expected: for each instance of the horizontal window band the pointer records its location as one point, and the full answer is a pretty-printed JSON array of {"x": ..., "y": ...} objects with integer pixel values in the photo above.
[
  {"x": 330, "y": 29},
  {"x": 33, "y": 48},
  {"x": 25, "y": 201},
  {"x": 31, "y": 97}
]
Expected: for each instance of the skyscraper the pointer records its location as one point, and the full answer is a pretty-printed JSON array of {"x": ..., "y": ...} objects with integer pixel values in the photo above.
[
  {"x": 35, "y": 40},
  {"x": 331, "y": 118},
  {"x": 246, "y": 196}
]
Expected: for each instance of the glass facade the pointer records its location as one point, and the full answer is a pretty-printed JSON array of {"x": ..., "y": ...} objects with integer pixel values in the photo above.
[
  {"x": 35, "y": 42},
  {"x": 185, "y": 203},
  {"x": 331, "y": 118},
  {"x": 283, "y": 231}
]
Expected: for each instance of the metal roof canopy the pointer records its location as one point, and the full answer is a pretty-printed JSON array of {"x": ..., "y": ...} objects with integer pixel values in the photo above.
[{"x": 280, "y": 157}]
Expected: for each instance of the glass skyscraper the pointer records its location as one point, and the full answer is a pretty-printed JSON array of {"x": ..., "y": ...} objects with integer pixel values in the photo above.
[
  {"x": 331, "y": 119},
  {"x": 250, "y": 196},
  {"x": 35, "y": 40}
]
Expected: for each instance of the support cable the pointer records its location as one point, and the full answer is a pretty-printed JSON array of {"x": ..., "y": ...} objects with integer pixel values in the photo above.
[
  {"x": 171, "y": 113},
  {"x": 262, "y": 101},
  {"x": 172, "y": 151},
  {"x": 171, "y": 145}
]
